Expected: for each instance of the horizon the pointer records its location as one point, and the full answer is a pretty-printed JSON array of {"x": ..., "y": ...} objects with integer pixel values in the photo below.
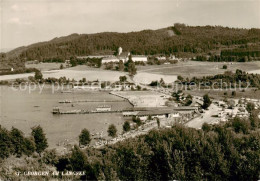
[{"x": 26, "y": 22}]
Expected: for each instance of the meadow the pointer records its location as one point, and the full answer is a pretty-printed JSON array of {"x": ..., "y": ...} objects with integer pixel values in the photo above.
[{"x": 198, "y": 69}]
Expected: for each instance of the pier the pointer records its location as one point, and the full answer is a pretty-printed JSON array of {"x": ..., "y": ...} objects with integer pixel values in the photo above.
[{"x": 77, "y": 101}]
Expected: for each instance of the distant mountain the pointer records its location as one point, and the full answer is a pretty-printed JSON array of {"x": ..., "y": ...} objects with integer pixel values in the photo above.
[{"x": 178, "y": 39}]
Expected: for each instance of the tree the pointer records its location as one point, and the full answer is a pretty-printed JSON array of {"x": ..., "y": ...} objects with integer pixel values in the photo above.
[
  {"x": 206, "y": 127},
  {"x": 29, "y": 146},
  {"x": 180, "y": 78},
  {"x": 84, "y": 137},
  {"x": 250, "y": 107},
  {"x": 112, "y": 130},
  {"x": 233, "y": 93},
  {"x": 126, "y": 126},
  {"x": 206, "y": 101},
  {"x": 224, "y": 66},
  {"x": 17, "y": 141},
  {"x": 137, "y": 120},
  {"x": 121, "y": 66},
  {"x": 38, "y": 75},
  {"x": 78, "y": 159},
  {"x": 122, "y": 78},
  {"x": 158, "y": 122},
  {"x": 39, "y": 139},
  {"x": 131, "y": 69},
  {"x": 61, "y": 66}
]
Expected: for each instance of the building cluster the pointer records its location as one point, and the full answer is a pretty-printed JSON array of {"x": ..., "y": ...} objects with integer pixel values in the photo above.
[{"x": 124, "y": 56}]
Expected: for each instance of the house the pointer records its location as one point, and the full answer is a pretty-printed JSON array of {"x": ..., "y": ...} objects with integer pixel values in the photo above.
[
  {"x": 161, "y": 58},
  {"x": 139, "y": 58},
  {"x": 172, "y": 57}
]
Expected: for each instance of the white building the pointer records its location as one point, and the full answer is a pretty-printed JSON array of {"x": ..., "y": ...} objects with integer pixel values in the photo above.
[
  {"x": 139, "y": 58},
  {"x": 110, "y": 59}
]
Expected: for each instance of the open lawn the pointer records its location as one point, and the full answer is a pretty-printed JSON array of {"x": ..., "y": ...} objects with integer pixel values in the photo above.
[{"x": 198, "y": 69}]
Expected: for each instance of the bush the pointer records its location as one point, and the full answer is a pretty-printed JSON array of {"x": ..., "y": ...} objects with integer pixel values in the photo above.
[
  {"x": 126, "y": 126},
  {"x": 112, "y": 131}
]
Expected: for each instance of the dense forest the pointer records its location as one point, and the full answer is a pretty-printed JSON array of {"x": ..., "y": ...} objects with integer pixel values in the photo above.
[
  {"x": 177, "y": 39},
  {"x": 228, "y": 151}
]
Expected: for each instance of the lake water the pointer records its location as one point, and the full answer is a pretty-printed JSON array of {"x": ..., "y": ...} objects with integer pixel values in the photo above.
[{"x": 24, "y": 110}]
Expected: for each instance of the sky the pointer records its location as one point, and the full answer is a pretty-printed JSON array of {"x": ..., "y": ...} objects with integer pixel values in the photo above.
[{"x": 24, "y": 22}]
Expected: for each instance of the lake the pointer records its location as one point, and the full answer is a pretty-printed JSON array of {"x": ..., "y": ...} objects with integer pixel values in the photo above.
[{"x": 24, "y": 110}]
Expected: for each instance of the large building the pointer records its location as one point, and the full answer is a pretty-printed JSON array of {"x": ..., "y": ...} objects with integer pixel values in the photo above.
[
  {"x": 110, "y": 59},
  {"x": 124, "y": 56}
]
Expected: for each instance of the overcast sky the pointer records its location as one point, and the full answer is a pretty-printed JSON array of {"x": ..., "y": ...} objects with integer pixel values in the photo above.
[{"x": 28, "y": 21}]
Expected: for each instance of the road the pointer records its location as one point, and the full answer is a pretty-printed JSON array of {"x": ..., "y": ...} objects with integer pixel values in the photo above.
[{"x": 204, "y": 118}]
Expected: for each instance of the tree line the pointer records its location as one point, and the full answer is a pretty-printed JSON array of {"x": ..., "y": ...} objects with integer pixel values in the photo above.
[
  {"x": 217, "y": 152},
  {"x": 227, "y": 151}
]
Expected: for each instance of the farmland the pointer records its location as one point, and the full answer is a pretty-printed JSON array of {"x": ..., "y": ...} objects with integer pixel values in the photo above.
[{"x": 198, "y": 69}]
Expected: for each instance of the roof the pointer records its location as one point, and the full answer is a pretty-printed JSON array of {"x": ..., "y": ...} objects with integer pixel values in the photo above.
[
  {"x": 184, "y": 108},
  {"x": 156, "y": 112}
]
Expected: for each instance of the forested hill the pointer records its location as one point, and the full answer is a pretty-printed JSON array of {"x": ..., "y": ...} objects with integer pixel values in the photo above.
[{"x": 176, "y": 39}]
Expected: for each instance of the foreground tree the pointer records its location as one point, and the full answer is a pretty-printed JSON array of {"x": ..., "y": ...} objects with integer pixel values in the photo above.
[
  {"x": 112, "y": 130},
  {"x": 250, "y": 107},
  {"x": 39, "y": 139},
  {"x": 84, "y": 137}
]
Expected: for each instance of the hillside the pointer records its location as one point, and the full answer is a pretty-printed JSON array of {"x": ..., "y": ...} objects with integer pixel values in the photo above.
[{"x": 179, "y": 39}]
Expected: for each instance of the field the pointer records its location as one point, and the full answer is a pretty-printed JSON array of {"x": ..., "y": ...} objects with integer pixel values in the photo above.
[
  {"x": 219, "y": 94},
  {"x": 147, "y": 78},
  {"x": 77, "y": 73},
  {"x": 198, "y": 69},
  {"x": 45, "y": 66}
]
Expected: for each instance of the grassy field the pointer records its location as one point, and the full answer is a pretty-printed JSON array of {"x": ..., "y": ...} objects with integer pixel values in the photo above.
[
  {"x": 198, "y": 69},
  {"x": 219, "y": 94},
  {"x": 77, "y": 73},
  {"x": 45, "y": 66}
]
